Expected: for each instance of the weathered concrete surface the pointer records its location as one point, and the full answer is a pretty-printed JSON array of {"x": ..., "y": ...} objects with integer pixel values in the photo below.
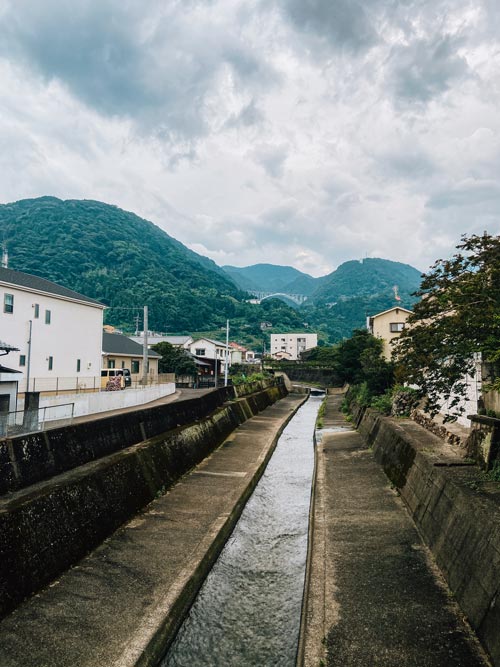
[
  {"x": 457, "y": 511},
  {"x": 120, "y": 605},
  {"x": 49, "y": 526},
  {"x": 375, "y": 597}
]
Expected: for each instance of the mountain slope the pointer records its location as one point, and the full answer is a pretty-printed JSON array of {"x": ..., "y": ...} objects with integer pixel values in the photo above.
[
  {"x": 115, "y": 256},
  {"x": 367, "y": 277},
  {"x": 271, "y": 278}
]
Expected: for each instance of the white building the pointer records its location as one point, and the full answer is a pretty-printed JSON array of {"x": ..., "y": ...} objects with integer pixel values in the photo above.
[
  {"x": 291, "y": 345},
  {"x": 206, "y": 348},
  {"x": 58, "y": 332}
]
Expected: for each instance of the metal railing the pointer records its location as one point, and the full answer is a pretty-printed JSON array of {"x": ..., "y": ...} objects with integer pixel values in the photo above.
[
  {"x": 77, "y": 385},
  {"x": 21, "y": 422}
]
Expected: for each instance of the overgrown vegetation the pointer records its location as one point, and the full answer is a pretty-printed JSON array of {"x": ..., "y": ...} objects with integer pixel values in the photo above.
[{"x": 457, "y": 317}]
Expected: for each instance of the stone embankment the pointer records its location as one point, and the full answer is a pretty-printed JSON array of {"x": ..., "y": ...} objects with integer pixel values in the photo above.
[
  {"x": 66, "y": 490},
  {"x": 374, "y": 594}
]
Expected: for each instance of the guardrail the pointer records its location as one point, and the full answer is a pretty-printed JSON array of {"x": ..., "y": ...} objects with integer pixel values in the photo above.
[
  {"x": 22, "y": 422},
  {"x": 64, "y": 385}
]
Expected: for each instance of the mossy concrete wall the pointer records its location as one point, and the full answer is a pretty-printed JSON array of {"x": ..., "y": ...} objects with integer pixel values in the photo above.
[
  {"x": 461, "y": 527},
  {"x": 28, "y": 459},
  {"x": 46, "y": 528}
]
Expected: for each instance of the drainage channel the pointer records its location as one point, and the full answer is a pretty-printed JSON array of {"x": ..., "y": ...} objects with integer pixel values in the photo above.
[{"x": 247, "y": 613}]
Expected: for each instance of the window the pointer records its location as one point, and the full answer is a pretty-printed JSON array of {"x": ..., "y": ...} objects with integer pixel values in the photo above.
[
  {"x": 51, "y": 363},
  {"x": 135, "y": 366},
  {"x": 397, "y": 327},
  {"x": 36, "y": 314},
  {"x": 199, "y": 352},
  {"x": 22, "y": 360},
  {"x": 78, "y": 365},
  {"x": 111, "y": 363},
  {"x": 8, "y": 303},
  {"x": 123, "y": 364},
  {"x": 47, "y": 317}
]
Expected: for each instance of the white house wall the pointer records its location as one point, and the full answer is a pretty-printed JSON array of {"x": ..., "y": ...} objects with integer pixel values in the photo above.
[{"x": 74, "y": 332}]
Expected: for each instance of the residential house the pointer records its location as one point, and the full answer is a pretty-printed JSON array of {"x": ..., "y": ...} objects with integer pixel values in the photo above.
[
  {"x": 388, "y": 326},
  {"x": 120, "y": 351},
  {"x": 212, "y": 352},
  {"x": 293, "y": 344},
  {"x": 57, "y": 331}
]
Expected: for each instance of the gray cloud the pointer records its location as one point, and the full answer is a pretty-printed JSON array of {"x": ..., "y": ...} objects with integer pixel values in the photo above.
[
  {"x": 339, "y": 24},
  {"x": 157, "y": 66},
  {"x": 425, "y": 68},
  {"x": 467, "y": 193},
  {"x": 271, "y": 158}
]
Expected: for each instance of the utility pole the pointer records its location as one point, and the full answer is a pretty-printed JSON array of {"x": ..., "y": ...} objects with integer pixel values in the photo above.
[
  {"x": 226, "y": 365},
  {"x": 145, "y": 362},
  {"x": 29, "y": 357}
]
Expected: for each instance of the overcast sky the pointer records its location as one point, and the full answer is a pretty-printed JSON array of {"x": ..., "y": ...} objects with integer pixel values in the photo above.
[{"x": 300, "y": 132}]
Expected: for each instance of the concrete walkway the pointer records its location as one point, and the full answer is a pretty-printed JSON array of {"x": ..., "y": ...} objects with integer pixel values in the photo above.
[
  {"x": 375, "y": 598},
  {"x": 122, "y": 603}
]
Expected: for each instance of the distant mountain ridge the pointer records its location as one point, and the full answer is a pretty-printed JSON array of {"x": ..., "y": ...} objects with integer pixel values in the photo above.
[
  {"x": 354, "y": 278},
  {"x": 272, "y": 278},
  {"x": 126, "y": 262},
  {"x": 367, "y": 277}
]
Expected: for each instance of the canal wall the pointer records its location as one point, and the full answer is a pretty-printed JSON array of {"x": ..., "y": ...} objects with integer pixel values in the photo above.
[
  {"x": 96, "y": 475},
  {"x": 460, "y": 525}
]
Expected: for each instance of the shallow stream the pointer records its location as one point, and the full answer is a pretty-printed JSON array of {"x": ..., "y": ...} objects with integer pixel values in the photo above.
[{"x": 247, "y": 613}]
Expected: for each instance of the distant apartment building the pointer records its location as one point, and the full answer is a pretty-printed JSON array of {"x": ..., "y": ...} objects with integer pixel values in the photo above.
[
  {"x": 58, "y": 332},
  {"x": 290, "y": 346},
  {"x": 388, "y": 326}
]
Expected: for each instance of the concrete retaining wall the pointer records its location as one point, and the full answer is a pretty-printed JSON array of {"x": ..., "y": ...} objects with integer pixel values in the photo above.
[
  {"x": 461, "y": 527},
  {"x": 48, "y": 527},
  {"x": 32, "y": 458},
  {"x": 101, "y": 401}
]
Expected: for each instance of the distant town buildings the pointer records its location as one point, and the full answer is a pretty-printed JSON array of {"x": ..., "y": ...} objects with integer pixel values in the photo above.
[
  {"x": 388, "y": 326},
  {"x": 289, "y": 346}
]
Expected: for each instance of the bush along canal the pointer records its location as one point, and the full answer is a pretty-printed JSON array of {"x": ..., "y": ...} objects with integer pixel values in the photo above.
[{"x": 247, "y": 613}]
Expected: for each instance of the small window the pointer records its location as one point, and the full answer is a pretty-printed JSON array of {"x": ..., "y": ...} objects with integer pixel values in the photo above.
[
  {"x": 78, "y": 365},
  {"x": 22, "y": 360},
  {"x": 47, "y": 317},
  {"x": 111, "y": 363},
  {"x": 135, "y": 366},
  {"x": 36, "y": 313},
  {"x": 51, "y": 363},
  {"x": 8, "y": 303},
  {"x": 199, "y": 352},
  {"x": 123, "y": 364},
  {"x": 397, "y": 327}
]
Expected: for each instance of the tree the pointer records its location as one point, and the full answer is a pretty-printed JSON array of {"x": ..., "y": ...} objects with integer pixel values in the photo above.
[
  {"x": 458, "y": 316},
  {"x": 174, "y": 360}
]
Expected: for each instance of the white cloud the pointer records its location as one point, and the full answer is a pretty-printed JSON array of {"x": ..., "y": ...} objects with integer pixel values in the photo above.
[{"x": 304, "y": 133}]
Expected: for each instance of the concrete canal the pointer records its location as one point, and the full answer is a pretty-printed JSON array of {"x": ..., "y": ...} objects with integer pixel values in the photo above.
[{"x": 247, "y": 613}]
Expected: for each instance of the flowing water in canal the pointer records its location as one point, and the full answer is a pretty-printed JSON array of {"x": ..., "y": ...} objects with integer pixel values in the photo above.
[{"x": 247, "y": 613}]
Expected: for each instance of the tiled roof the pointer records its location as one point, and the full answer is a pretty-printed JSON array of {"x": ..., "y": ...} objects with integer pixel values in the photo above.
[
  {"x": 120, "y": 344},
  {"x": 38, "y": 284}
]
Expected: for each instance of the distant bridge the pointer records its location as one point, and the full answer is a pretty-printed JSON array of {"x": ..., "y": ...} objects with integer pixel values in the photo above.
[{"x": 296, "y": 298}]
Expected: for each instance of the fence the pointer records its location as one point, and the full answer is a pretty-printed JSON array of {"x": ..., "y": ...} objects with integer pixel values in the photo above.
[
  {"x": 21, "y": 422},
  {"x": 76, "y": 385}
]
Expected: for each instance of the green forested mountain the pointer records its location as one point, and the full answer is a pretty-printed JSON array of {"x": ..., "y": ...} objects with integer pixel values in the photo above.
[
  {"x": 127, "y": 262},
  {"x": 367, "y": 277},
  {"x": 118, "y": 258},
  {"x": 271, "y": 278}
]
